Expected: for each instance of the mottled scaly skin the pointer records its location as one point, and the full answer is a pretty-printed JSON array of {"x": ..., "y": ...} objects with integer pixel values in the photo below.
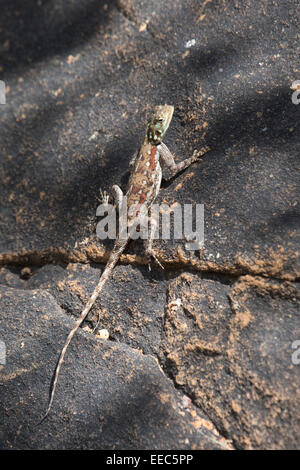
[
  {"x": 145, "y": 179},
  {"x": 144, "y": 183}
]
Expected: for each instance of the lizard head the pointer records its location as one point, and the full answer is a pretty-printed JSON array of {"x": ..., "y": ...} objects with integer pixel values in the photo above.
[{"x": 159, "y": 123}]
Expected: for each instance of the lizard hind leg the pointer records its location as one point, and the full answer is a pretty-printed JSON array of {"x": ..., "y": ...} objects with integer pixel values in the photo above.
[
  {"x": 150, "y": 253},
  {"x": 104, "y": 197},
  {"x": 118, "y": 198}
]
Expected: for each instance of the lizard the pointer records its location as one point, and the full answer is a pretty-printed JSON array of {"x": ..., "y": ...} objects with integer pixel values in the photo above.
[{"x": 143, "y": 188}]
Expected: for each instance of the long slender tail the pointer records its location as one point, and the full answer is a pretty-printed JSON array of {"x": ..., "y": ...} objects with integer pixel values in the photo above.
[{"x": 112, "y": 261}]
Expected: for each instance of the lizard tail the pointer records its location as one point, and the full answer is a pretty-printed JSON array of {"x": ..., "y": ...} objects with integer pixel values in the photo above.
[{"x": 112, "y": 261}]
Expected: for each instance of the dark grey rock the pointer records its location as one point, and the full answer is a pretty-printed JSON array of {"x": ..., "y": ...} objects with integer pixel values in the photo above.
[
  {"x": 80, "y": 83},
  {"x": 235, "y": 359},
  {"x": 109, "y": 395}
]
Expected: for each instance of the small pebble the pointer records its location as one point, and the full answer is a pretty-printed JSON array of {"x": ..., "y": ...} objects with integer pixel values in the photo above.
[{"x": 103, "y": 334}]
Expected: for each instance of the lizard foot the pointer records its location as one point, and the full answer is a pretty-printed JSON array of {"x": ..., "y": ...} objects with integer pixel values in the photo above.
[
  {"x": 104, "y": 197},
  {"x": 151, "y": 254},
  {"x": 199, "y": 153}
]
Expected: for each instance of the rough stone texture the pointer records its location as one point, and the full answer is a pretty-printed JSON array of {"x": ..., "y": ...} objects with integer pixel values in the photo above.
[
  {"x": 110, "y": 396},
  {"x": 235, "y": 359},
  {"x": 80, "y": 79}
]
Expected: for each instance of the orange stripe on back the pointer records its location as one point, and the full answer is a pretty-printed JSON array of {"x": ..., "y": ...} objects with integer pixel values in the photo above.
[
  {"x": 142, "y": 198},
  {"x": 152, "y": 158}
]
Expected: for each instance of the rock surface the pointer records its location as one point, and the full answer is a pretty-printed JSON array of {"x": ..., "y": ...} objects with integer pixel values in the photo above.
[
  {"x": 111, "y": 396},
  {"x": 207, "y": 344}
]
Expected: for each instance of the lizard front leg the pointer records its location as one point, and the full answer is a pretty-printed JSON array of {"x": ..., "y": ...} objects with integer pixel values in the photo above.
[
  {"x": 133, "y": 160},
  {"x": 118, "y": 196},
  {"x": 167, "y": 159}
]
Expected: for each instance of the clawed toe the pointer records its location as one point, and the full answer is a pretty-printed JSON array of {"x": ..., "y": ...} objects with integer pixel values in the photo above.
[
  {"x": 150, "y": 255},
  {"x": 104, "y": 197},
  {"x": 199, "y": 153}
]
